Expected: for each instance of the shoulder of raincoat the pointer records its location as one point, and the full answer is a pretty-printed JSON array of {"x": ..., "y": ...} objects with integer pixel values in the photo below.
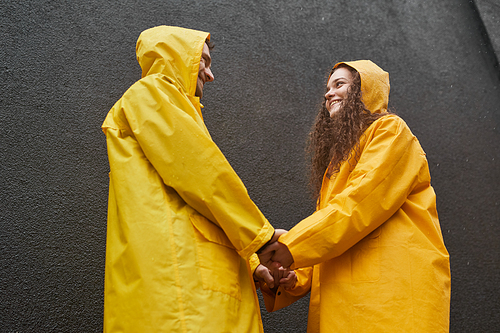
[
  {"x": 375, "y": 242},
  {"x": 180, "y": 222}
]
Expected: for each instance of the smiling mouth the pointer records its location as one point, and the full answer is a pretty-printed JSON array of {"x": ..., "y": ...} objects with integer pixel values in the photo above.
[{"x": 334, "y": 102}]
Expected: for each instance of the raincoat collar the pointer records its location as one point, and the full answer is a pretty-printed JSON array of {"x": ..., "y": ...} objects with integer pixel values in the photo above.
[
  {"x": 174, "y": 52},
  {"x": 375, "y": 85}
]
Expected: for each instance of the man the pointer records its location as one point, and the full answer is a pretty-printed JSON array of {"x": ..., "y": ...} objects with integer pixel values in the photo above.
[{"x": 181, "y": 225}]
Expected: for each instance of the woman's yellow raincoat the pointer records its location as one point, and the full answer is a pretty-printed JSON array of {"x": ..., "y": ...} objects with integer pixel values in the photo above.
[
  {"x": 180, "y": 222},
  {"x": 377, "y": 256}
]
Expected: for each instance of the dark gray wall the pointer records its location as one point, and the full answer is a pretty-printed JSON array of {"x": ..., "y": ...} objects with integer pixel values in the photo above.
[
  {"x": 489, "y": 10},
  {"x": 64, "y": 64}
]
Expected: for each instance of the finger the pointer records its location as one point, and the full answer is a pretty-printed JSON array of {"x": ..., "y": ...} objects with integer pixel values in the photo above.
[
  {"x": 275, "y": 265},
  {"x": 283, "y": 272},
  {"x": 268, "y": 278},
  {"x": 277, "y": 271},
  {"x": 263, "y": 274},
  {"x": 289, "y": 281}
]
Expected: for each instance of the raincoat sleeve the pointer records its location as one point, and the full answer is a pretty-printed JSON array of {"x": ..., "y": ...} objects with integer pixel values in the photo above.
[
  {"x": 167, "y": 127},
  {"x": 253, "y": 262},
  {"x": 390, "y": 166}
]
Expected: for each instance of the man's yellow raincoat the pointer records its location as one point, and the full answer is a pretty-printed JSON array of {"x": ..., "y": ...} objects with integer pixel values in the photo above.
[
  {"x": 379, "y": 263},
  {"x": 180, "y": 222}
]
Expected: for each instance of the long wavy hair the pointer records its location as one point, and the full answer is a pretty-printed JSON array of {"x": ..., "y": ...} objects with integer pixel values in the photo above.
[{"x": 335, "y": 140}]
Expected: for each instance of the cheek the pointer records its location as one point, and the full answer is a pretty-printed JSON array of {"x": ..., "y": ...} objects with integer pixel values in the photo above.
[{"x": 344, "y": 91}]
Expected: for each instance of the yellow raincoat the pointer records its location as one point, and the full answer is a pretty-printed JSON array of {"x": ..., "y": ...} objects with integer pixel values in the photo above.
[
  {"x": 181, "y": 225},
  {"x": 377, "y": 256}
]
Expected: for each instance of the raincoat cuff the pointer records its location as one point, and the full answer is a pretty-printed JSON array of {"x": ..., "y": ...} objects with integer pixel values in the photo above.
[
  {"x": 265, "y": 234},
  {"x": 254, "y": 262},
  {"x": 269, "y": 241}
]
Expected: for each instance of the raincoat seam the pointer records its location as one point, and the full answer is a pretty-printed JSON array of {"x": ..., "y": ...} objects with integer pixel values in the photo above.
[{"x": 177, "y": 275}]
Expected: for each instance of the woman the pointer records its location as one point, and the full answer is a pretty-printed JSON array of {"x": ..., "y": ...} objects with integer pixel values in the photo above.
[{"x": 372, "y": 255}]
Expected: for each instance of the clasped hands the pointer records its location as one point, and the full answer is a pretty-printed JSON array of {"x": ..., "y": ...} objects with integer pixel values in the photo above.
[{"x": 275, "y": 259}]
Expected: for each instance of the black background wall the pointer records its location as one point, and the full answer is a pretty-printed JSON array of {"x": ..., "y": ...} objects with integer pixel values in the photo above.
[{"x": 64, "y": 64}]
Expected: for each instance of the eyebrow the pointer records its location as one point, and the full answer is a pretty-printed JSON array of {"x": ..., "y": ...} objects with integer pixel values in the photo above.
[{"x": 339, "y": 78}]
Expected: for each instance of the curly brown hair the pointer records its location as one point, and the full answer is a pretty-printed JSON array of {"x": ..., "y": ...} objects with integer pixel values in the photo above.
[{"x": 334, "y": 140}]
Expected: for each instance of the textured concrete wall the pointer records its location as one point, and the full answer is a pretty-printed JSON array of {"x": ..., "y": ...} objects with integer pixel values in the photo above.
[
  {"x": 64, "y": 64},
  {"x": 489, "y": 10}
]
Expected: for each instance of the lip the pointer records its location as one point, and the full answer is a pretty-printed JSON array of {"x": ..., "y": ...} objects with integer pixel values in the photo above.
[{"x": 334, "y": 102}]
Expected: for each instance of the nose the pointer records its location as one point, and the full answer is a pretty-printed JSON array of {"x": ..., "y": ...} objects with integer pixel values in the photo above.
[
  {"x": 209, "y": 75},
  {"x": 330, "y": 93}
]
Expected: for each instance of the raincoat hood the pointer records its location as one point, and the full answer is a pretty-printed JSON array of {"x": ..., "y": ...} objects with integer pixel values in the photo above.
[
  {"x": 174, "y": 52},
  {"x": 374, "y": 84}
]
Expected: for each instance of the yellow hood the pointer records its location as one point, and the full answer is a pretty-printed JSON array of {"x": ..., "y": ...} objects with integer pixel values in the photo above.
[
  {"x": 374, "y": 84},
  {"x": 174, "y": 52}
]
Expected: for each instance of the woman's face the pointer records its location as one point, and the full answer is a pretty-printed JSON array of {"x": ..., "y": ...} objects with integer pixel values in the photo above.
[{"x": 337, "y": 86}]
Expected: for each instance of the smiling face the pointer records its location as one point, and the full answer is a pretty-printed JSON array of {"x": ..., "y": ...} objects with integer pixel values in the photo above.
[
  {"x": 204, "y": 72},
  {"x": 337, "y": 87}
]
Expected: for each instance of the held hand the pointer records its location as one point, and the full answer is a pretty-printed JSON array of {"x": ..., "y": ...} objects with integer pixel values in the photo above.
[
  {"x": 282, "y": 255},
  {"x": 283, "y": 277},
  {"x": 277, "y": 271},
  {"x": 263, "y": 274},
  {"x": 276, "y": 252},
  {"x": 286, "y": 277},
  {"x": 289, "y": 280},
  {"x": 264, "y": 254}
]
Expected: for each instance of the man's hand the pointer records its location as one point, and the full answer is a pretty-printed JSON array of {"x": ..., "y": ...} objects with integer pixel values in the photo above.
[
  {"x": 264, "y": 254},
  {"x": 276, "y": 252}
]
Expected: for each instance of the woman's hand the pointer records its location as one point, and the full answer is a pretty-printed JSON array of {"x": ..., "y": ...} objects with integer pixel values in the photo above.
[
  {"x": 285, "y": 277},
  {"x": 289, "y": 280}
]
